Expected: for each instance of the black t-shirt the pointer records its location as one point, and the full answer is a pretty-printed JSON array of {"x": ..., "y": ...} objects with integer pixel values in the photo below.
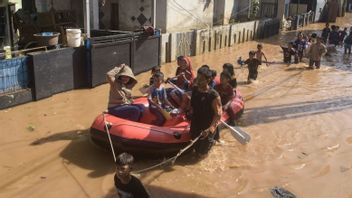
[
  {"x": 134, "y": 189},
  {"x": 203, "y": 111},
  {"x": 233, "y": 82},
  {"x": 326, "y": 32},
  {"x": 252, "y": 65}
]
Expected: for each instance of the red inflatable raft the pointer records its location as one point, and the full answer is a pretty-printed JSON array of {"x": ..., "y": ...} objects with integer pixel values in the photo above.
[{"x": 142, "y": 137}]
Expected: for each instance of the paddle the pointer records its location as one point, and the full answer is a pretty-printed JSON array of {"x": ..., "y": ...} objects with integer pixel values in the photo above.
[{"x": 236, "y": 132}]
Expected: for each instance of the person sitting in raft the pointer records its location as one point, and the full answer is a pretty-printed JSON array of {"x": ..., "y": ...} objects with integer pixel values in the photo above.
[
  {"x": 184, "y": 78},
  {"x": 155, "y": 70},
  {"x": 212, "y": 80},
  {"x": 228, "y": 67},
  {"x": 122, "y": 80},
  {"x": 213, "y": 76},
  {"x": 226, "y": 92},
  {"x": 158, "y": 102},
  {"x": 206, "y": 108}
]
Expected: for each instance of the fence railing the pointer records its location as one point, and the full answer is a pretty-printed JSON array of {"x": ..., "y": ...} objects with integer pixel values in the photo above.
[
  {"x": 13, "y": 74},
  {"x": 302, "y": 20}
]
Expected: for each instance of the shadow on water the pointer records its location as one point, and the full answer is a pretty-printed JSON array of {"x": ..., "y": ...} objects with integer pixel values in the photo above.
[
  {"x": 81, "y": 152},
  {"x": 156, "y": 191},
  {"x": 85, "y": 154},
  {"x": 296, "y": 110}
]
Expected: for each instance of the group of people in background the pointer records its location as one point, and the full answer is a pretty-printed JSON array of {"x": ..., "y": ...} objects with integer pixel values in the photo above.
[
  {"x": 314, "y": 47},
  {"x": 338, "y": 37}
]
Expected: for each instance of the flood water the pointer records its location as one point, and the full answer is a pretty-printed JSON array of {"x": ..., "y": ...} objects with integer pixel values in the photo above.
[{"x": 299, "y": 121}]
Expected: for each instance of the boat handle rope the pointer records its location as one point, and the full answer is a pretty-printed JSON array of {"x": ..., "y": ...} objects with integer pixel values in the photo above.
[
  {"x": 172, "y": 159},
  {"x": 108, "y": 132}
]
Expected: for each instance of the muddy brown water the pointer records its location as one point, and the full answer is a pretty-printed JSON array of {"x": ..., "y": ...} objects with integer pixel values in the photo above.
[{"x": 299, "y": 121}]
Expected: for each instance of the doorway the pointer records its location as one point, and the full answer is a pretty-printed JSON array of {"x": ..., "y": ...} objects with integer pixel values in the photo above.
[{"x": 115, "y": 16}]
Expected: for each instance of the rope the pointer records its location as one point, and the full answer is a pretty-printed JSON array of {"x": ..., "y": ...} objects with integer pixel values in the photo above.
[
  {"x": 108, "y": 132},
  {"x": 172, "y": 159}
]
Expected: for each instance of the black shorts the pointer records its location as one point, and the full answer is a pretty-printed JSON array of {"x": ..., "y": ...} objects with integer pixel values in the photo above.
[
  {"x": 203, "y": 146},
  {"x": 253, "y": 75}
]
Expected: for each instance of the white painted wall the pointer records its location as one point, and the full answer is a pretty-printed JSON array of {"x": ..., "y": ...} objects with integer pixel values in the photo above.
[
  {"x": 224, "y": 11},
  {"x": 319, "y": 9},
  {"x": 230, "y": 9},
  {"x": 183, "y": 15},
  {"x": 18, "y": 3}
]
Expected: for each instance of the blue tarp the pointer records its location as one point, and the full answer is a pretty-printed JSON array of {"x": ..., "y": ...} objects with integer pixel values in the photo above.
[{"x": 13, "y": 74}]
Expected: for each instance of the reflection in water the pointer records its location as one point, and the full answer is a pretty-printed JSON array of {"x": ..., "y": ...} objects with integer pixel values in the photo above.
[{"x": 299, "y": 121}]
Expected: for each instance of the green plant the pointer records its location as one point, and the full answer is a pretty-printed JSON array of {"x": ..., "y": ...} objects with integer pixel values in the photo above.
[{"x": 255, "y": 4}]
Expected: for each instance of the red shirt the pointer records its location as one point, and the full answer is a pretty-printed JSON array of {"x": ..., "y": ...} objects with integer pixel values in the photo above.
[{"x": 226, "y": 93}]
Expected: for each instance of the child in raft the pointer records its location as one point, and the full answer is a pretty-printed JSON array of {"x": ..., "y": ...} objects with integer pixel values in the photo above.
[
  {"x": 228, "y": 67},
  {"x": 158, "y": 102},
  {"x": 184, "y": 78},
  {"x": 213, "y": 76},
  {"x": 259, "y": 54},
  {"x": 253, "y": 65},
  {"x": 226, "y": 92},
  {"x": 155, "y": 70}
]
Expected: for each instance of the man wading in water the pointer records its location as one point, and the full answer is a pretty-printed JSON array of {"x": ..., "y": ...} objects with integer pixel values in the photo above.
[{"x": 206, "y": 107}]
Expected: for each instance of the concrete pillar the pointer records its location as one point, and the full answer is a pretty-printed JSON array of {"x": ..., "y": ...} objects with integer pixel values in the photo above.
[
  {"x": 173, "y": 46},
  {"x": 165, "y": 48},
  {"x": 94, "y": 14}
]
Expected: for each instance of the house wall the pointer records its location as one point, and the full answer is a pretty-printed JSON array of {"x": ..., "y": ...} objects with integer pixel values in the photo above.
[
  {"x": 243, "y": 8},
  {"x": 183, "y": 15},
  {"x": 134, "y": 13},
  {"x": 230, "y": 11},
  {"x": 18, "y": 3},
  {"x": 45, "y": 5},
  {"x": 319, "y": 9},
  {"x": 225, "y": 11},
  {"x": 202, "y": 41},
  {"x": 219, "y": 15},
  {"x": 302, "y": 8}
]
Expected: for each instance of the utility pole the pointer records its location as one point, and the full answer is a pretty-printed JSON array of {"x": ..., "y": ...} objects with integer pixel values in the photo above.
[
  {"x": 87, "y": 18},
  {"x": 154, "y": 14}
]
